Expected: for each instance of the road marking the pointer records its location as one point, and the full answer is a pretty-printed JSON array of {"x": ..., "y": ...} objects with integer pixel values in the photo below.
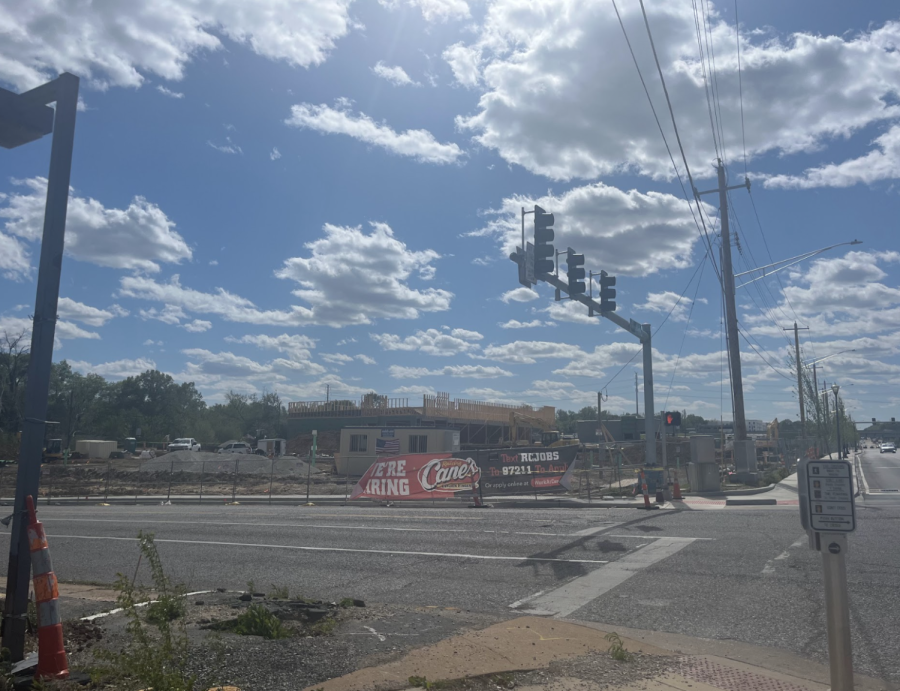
[
  {"x": 92, "y": 617},
  {"x": 563, "y": 601},
  {"x": 493, "y": 557},
  {"x": 667, "y": 537},
  {"x": 50, "y": 519},
  {"x": 769, "y": 568},
  {"x": 596, "y": 529}
]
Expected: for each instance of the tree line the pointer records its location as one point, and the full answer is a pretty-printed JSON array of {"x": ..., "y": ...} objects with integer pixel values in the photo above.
[{"x": 149, "y": 406}]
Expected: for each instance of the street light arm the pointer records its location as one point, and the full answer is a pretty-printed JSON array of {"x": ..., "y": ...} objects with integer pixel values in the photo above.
[{"x": 799, "y": 257}]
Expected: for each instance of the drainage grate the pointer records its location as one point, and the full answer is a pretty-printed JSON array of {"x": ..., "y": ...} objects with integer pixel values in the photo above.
[{"x": 731, "y": 679}]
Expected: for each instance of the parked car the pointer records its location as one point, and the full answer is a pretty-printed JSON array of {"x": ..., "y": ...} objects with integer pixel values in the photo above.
[
  {"x": 184, "y": 444},
  {"x": 236, "y": 447},
  {"x": 888, "y": 448}
]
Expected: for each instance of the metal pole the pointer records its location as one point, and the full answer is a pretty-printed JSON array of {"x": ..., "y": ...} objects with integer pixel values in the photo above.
[
  {"x": 837, "y": 611},
  {"x": 799, "y": 379},
  {"x": 312, "y": 462},
  {"x": 63, "y": 90},
  {"x": 234, "y": 483},
  {"x": 108, "y": 469},
  {"x": 662, "y": 434},
  {"x": 171, "y": 468},
  {"x": 650, "y": 442},
  {"x": 202, "y": 468},
  {"x": 271, "y": 480},
  {"x": 837, "y": 424},
  {"x": 731, "y": 324},
  {"x": 637, "y": 410}
]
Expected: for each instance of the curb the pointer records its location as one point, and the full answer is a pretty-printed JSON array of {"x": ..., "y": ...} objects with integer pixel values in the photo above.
[
  {"x": 733, "y": 493},
  {"x": 751, "y": 502}
]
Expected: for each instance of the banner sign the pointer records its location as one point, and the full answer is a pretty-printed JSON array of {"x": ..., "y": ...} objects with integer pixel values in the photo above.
[
  {"x": 522, "y": 470},
  {"x": 526, "y": 470},
  {"x": 417, "y": 476}
]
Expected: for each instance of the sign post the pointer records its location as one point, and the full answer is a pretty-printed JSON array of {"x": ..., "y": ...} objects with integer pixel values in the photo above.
[{"x": 828, "y": 513}]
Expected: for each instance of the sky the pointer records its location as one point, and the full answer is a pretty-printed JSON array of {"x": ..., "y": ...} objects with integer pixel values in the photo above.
[{"x": 296, "y": 196}]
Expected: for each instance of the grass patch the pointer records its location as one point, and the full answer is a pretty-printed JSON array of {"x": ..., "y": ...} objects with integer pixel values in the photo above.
[
  {"x": 617, "y": 647},
  {"x": 346, "y": 603},
  {"x": 325, "y": 627},
  {"x": 259, "y": 621},
  {"x": 279, "y": 593}
]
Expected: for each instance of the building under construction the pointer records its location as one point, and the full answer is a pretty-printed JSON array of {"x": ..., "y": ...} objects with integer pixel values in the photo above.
[{"x": 480, "y": 424}]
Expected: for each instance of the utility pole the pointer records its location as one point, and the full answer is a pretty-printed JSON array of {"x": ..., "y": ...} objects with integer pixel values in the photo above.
[
  {"x": 600, "y": 437},
  {"x": 744, "y": 449},
  {"x": 327, "y": 392},
  {"x": 636, "y": 409},
  {"x": 799, "y": 375}
]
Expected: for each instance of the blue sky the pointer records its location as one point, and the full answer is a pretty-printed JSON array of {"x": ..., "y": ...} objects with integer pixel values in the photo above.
[{"x": 291, "y": 195}]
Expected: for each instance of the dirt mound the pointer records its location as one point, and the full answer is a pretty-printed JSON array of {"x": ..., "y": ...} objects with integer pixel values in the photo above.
[{"x": 243, "y": 464}]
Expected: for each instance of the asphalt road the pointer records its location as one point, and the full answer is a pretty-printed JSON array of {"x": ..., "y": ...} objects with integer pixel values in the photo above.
[
  {"x": 881, "y": 470},
  {"x": 743, "y": 574}
]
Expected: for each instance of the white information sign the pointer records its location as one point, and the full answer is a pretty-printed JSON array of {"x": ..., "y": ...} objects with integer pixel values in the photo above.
[{"x": 829, "y": 488}]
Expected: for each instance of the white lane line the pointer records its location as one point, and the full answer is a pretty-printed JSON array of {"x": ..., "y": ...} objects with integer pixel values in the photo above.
[
  {"x": 50, "y": 519},
  {"x": 575, "y": 594},
  {"x": 519, "y": 603},
  {"x": 667, "y": 537},
  {"x": 769, "y": 568},
  {"x": 492, "y": 557},
  {"x": 377, "y": 635},
  {"x": 596, "y": 529},
  {"x": 138, "y": 604}
]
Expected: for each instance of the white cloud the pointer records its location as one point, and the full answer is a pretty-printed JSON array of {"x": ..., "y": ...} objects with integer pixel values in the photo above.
[
  {"x": 465, "y": 61},
  {"x": 213, "y": 262},
  {"x": 882, "y": 163},
  {"x": 519, "y": 295},
  {"x": 543, "y": 99},
  {"x": 349, "y": 278},
  {"x": 352, "y": 277},
  {"x": 64, "y": 330},
  {"x": 466, "y": 335},
  {"x": 432, "y": 342},
  {"x": 433, "y": 10},
  {"x": 516, "y": 324},
  {"x": 14, "y": 259},
  {"x": 198, "y": 326},
  {"x": 570, "y": 311},
  {"x": 117, "y": 43},
  {"x": 151, "y": 342},
  {"x": 118, "y": 369},
  {"x": 529, "y": 352},
  {"x": 418, "y": 144},
  {"x": 395, "y": 75},
  {"x": 275, "y": 154},
  {"x": 641, "y": 233},
  {"x": 228, "y": 148},
  {"x": 415, "y": 390},
  {"x": 296, "y": 346},
  {"x": 92, "y": 316},
  {"x": 211, "y": 367},
  {"x": 337, "y": 358},
  {"x": 470, "y": 371},
  {"x": 170, "y": 314},
  {"x": 168, "y": 92},
  {"x": 137, "y": 238},
  {"x": 667, "y": 300}
]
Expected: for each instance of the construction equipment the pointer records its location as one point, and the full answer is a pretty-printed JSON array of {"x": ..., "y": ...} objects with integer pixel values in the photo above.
[
  {"x": 53, "y": 451},
  {"x": 515, "y": 421}
]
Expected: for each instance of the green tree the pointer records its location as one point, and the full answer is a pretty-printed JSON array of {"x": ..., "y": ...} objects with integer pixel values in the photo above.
[{"x": 74, "y": 399}]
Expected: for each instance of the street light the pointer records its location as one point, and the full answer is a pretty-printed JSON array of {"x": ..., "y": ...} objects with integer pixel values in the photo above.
[
  {"x": 793, "y": 260},
  {"x": 25, "y": 118},
  {"x": 837, "y": 419}
]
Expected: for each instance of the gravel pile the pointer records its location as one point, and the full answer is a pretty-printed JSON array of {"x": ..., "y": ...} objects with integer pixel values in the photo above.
[{"x": 246, "y": 464}]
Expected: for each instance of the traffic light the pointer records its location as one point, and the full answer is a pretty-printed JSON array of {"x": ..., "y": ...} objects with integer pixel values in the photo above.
[
  {"x": 575, "y": 272},
  {"x": 543, "y": 241},
  {"x": 607, "y": 292},
  {"x": 672, "y": 419}
]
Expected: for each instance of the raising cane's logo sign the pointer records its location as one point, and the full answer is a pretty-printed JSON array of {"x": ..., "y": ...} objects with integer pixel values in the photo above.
[{"x": 449, "y": 474}]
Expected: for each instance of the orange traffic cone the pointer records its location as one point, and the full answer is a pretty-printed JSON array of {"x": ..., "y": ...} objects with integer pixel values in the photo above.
[
  {"x": 677, "y": 491},
  {"x": 645, "y": 490},
  {"x": 52, "y": 661}
]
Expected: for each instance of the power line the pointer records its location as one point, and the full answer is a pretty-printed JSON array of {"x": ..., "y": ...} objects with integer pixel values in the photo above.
[
  {"x": 678, "y": 136},
  {"x": 702, "y": 231},
  {"x": 683, "y": 338},
  {"x": 737, "y": 29},
  {"x": 677, "y": 302},
  {"x": 705, "y": 80}
]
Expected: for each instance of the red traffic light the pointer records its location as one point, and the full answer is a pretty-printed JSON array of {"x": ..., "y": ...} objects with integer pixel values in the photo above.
[{"x": 673, "y": 419}]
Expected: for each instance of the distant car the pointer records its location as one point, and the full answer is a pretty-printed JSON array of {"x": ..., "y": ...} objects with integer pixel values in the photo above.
[
  {"x": 236, "y": 447},
  {"x": 184, "y": 444},
  {"x": 888, "y": 448}
]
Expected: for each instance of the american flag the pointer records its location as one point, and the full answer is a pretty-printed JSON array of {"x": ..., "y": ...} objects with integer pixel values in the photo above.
[{"x": 387, "y": 446}]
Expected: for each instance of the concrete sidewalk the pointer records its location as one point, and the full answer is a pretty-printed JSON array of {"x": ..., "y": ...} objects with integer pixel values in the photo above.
[{"x": 679, "y": 663}]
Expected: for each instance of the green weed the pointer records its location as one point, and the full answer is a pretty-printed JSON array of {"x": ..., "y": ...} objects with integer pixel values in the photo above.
[
  {"x": 259, "y": 621},
  {"x": 279, "y": 593},
  {"x": 617, "y": 647}
]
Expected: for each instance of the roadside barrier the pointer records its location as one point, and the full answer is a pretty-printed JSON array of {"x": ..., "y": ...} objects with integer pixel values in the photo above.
[
  {"x": 645, "y": 490},
  {"x": 52, "y": 661},
  {"x": 676, "y": 494}
]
